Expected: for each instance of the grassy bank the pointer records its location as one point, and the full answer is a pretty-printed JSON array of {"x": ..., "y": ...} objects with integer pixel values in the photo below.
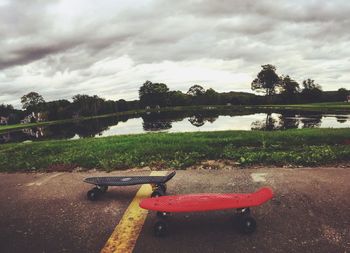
[
  {"x": 335, "y": 107},
  {"x": 7, "y": 128},
  {"x": 178, "y": 150}
]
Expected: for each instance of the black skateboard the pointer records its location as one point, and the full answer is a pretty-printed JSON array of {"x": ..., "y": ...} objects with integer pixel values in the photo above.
[{"x": 158, "y": 184}]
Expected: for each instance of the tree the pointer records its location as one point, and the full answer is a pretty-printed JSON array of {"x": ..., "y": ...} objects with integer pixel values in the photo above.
[
  {"x": 122, "y": 105},
  {"x": 12, "y": 114},
  {"x": 177, "y": 98},
  {"x": 5, "y": 110},
  {"x": 58, "y": 109},
  {"x": 88, "y": 105},
  {"x": 342, "y": 94},
  {"x": 211, "y": 97},
  {"x": 267, "y": 80},
  {"x": 290, "y": 88},
  {"x": 310, "y": 84},
  {"x": 311, "y": 91},
  {"x": 152, "y": 94},
  {"x": 196, "y": 90},
  {"x": 31, "y": 100}
]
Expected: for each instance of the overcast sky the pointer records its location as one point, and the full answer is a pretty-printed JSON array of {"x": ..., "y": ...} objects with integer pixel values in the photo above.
[{"x": 110, "y": 47}]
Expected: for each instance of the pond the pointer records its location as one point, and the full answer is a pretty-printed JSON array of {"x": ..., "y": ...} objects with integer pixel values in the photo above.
[{"x": 209, "y": 120}]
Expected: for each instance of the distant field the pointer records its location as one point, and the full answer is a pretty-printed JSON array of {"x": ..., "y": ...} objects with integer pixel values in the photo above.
[
  {"x": 179, "y": 150},
  {"x": 21, "y": 126},
  {"x": 325, "y": 107},
  {"x": 333, "y": 104}
]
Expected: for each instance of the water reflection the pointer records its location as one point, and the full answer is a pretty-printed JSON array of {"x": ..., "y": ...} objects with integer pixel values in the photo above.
[
  {"x": 268, "y": 124},
  {"x": 178, "y": 122},
  {"x": 288, "y": 120},
  {"x": 156, "y": 125},
  {"x": 341, "y": 119},
  {"x": 312, "y": 122},
  {"x": 199, "y": 120}
]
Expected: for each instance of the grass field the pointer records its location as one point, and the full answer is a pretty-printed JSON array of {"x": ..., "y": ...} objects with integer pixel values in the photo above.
[
  {"x": 320, "y": 107},
  {"x": 178, "y": 150}
]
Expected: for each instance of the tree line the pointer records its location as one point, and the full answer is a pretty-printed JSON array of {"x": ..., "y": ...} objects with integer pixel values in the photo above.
[
  {"x": 277, "y": 89},
  {"x": 289, "y": 90}
]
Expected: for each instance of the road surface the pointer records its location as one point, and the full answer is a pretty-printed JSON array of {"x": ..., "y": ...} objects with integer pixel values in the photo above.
[{"x": 49, "y": 212}]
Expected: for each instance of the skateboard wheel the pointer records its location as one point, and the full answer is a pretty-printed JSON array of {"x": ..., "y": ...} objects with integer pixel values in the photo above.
[
  {"x": 93, "y": 194},
  {"x": 103, "y": 188},
  {"x": 162, "y": 214},
  {"x": 247, "y": 225},
  {"x": 157, "y": 193},
  {"x": 160, "y": 229}
]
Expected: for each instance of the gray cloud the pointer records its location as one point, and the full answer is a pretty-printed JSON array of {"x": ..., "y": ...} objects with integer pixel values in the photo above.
[{"x": 50, "y": 46}]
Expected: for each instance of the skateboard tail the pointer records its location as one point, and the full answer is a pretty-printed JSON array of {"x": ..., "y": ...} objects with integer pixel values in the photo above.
[{"x": 170, "y": 176}]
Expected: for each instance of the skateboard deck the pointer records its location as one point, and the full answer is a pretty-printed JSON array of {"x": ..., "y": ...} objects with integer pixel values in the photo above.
[
  {"x": 207, "y": 202},
  {"x": 133, "y": 180}
]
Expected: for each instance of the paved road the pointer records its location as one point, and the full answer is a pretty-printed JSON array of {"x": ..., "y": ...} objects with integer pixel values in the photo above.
[{"x": 49, "y": 213}]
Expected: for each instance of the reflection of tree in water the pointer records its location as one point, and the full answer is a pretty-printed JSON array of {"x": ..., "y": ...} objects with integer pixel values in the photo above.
[
  {"x": 156, "y": 125},
  {"x": 196, "y": 121},
  {"x": 94, "y": 127},
  {"x": 212, "y": 119},
  {"x": 311, "y": 121},
  {"x": 122, "y": 118},
  {"x": 60, "y": 131},
  {"x": 341, "y": 118},
  {"x": 199, "y": 120},
  {"x": 86, "y": 128},
  {"x": 5, "y": 138},
  {"x": 269, "y": 124},
  {"x": 287, "y": 120},
  {"x": 155, "y": 122},
  {"x": 34, "y": 133}
]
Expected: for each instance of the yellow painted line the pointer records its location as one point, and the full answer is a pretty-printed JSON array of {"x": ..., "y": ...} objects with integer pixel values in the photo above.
[{"x": 124, "y": 236}]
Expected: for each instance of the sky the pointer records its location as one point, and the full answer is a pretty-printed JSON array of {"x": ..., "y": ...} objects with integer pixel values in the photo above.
[{"x": 111, "y": 47}]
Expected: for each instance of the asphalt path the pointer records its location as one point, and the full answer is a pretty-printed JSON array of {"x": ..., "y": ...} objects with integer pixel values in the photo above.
[{"x": 49, "y": 212}]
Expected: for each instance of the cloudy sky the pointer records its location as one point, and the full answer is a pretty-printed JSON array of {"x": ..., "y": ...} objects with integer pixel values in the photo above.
[{"x": 110, "y": 47}]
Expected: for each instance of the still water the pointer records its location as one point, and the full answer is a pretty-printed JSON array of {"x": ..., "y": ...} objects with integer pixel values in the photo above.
[{"x": 179, "y": 122}]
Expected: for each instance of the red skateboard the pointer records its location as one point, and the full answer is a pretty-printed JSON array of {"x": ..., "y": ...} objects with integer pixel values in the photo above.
[{"x": 208, "y": 202}]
